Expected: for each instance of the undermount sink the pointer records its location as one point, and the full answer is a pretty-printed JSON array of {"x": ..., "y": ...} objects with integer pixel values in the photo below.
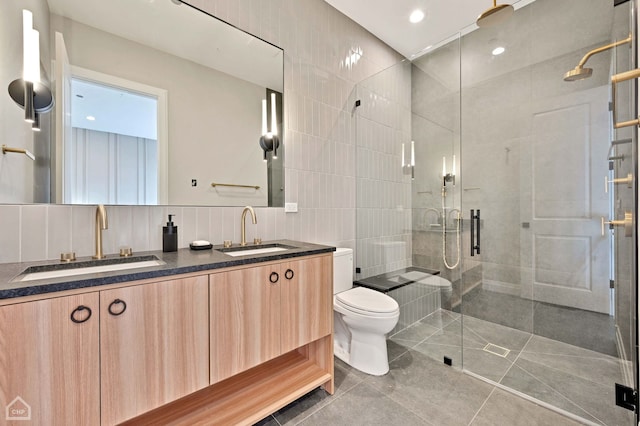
[
  {"x": 60, "y": 270},
  {"x": 254, "y": 249}
]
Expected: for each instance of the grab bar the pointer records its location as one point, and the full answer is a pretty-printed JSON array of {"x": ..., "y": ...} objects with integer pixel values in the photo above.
[{"x": 233, "y": 185}]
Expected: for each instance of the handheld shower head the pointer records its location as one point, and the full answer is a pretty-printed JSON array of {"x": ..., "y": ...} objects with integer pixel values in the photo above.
[
  {"x": 494, "y": 15},
  {"x": 578, "y": 73}
]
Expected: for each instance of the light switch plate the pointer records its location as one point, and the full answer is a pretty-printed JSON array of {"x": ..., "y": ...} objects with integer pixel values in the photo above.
[{"x": 291, "y": 207}]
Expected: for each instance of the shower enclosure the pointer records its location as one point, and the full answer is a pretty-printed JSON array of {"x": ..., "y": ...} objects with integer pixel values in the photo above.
[{"x": 491, "y": 202}]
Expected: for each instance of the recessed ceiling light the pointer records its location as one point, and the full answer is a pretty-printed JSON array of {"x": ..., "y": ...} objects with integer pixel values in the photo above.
[
  {"x": 498, "y": 51},
  {"x": 91, "y": 118},
  {"x": 416, "y": 16}
]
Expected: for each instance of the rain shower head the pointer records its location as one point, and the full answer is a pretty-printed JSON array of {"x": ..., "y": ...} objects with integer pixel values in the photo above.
[
  {"x": 580, "y": 72},
  {"x": 494, "y": 15}
]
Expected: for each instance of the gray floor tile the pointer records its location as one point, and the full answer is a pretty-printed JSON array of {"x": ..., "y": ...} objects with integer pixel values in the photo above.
[
  {"x": 440, "y": 318},
  {"x": 345, "y": 379},
  {"x": 435, "y": 392},
  {"x": 523, "y": 381},
  {"x": 596, "y": 370},
  {"x": 596, "y": 399},
  {"x": 503, "y": 408},
  {"x": 504, "y": 309},
  {"x": 416, "y": 332},
  {"x": 397, "y": 348},
  {"x": 489, "y": 332},
  {"x": 485, "y": 364},
  {"x": 446, "y": 342},
  {"x": 544, "y": 345},
  {"x": 590, "y": 330},
  {"x": 363, "y": 405}
]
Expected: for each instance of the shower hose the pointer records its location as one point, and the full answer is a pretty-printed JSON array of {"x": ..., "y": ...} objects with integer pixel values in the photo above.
[{"x": 444, "y": 233}]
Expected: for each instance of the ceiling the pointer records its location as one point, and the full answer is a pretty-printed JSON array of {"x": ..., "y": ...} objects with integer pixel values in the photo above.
[{"x": 389, "y": 20}]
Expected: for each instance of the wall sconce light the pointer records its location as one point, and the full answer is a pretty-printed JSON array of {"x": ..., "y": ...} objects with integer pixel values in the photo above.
[
  {"x": 409, "y": 168},
  {"x": 448, "y": 177},
  {"x": 269, "y": 141},
  {"x": 28, "y": 91}
]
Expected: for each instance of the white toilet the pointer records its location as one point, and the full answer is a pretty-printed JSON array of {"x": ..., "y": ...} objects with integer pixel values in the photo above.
[{"x": 362, "y": 318}]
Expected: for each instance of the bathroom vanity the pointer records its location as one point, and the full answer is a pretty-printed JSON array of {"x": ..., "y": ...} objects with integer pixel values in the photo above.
[{"x": 205, "y": 338}]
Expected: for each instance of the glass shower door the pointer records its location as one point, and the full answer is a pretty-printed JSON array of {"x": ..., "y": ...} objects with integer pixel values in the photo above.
[{"x": 543, "y": 319}]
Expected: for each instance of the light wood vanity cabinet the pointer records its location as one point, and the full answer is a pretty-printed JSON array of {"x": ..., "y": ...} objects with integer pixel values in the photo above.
[
  {"x": 259, "y": 313},
  {"x": 306, "y": 301},
  {"x": 111, "y": 365},
  {"x": 226, "y": 348},
  {"x": 245, "y": 320},
  {"x": 155, "y": 350},
  {"x": 51, "y": 362}
]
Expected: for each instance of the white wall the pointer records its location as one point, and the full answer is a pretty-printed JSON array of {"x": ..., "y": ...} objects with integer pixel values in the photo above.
[{"x": 320, "y": 163}]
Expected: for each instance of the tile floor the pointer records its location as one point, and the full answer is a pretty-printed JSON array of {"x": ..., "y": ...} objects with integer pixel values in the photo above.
[
  {"x": 421, "y": 390},
  {"x": 589, "y": 330}
]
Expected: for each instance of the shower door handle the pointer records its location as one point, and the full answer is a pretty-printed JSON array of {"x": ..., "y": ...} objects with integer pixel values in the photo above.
[{"x": 475, "y": 232}]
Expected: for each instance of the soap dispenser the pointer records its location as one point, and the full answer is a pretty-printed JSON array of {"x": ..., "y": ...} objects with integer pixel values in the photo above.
[{"x": 170, "y": 236}]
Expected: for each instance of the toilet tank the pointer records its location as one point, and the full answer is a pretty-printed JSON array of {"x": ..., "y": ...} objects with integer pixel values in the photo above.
[{"x": 342, "y": 269}]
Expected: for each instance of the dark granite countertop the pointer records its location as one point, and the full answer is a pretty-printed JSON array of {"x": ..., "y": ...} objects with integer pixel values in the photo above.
[{"x": 182, "y": 261}]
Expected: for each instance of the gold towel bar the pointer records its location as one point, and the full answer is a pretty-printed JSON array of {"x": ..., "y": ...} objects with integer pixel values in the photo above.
[
  {"x": 256, "y": 187},
  {"x": 26, "y": 152}
]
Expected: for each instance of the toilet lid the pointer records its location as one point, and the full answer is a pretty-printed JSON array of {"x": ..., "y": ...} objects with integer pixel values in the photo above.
[{"x": 368, "y": 300}]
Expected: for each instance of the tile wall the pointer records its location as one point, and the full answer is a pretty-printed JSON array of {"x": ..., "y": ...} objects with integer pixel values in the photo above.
[{"x": 321, "y": 47}]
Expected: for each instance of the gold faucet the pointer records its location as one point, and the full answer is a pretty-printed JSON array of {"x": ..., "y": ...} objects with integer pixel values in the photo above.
[
  {"x": 243, "y": 237},
  {"x": 101, "y": 223}
]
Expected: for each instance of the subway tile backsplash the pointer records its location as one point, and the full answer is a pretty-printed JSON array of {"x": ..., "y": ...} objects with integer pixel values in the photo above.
[{"x": 39, "y": 232}]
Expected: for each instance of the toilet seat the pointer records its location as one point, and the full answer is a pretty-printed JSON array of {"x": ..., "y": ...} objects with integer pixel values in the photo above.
[{"x": 367, "y": 302}]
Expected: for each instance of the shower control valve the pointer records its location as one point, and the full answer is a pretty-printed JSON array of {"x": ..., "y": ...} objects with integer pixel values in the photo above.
[
  {"x": 627, "y": 222},
  {"x": 628, "y": 180}
]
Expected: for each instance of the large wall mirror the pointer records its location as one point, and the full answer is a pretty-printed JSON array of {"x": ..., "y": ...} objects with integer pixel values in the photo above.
[{"x": 155, "y": 102}]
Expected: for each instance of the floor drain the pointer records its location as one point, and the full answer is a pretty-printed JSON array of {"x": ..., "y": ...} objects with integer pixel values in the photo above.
[{"x": 496, "y": 350}]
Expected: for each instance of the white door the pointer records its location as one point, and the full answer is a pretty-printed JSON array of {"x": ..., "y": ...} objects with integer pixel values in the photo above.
[{"x": 563, "y": 199}]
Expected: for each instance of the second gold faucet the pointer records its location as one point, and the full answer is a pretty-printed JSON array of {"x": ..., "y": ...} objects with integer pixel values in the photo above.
[
  {"x": 101, "y": 223},
  {"x": 243, "y": 236}
]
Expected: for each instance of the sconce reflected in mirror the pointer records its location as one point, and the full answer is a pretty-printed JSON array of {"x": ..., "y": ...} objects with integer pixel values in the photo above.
[
  {"x": 269, "y": 141},
  {"x": 29, "y": 92},
  {"x": 410, "y": 166},
  {"x": 448, "y": 177}
]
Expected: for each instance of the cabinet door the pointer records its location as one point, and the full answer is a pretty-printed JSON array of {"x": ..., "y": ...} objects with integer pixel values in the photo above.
[
  {"x": 307, "y": 301},
  {"x": 245, "y": 319},
  {"x": 154, "y": 345},
  {"x": 49, "y": 364}
]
